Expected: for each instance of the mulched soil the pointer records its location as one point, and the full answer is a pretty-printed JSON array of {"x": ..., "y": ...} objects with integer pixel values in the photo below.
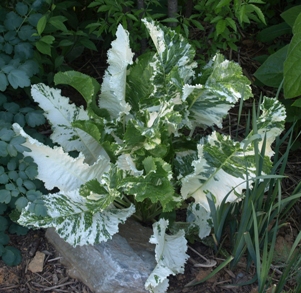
[{"x": 54, "y": 277}]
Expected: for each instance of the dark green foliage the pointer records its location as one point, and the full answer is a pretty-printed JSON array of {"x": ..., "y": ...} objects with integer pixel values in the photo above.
[
  {"x": 18, "y": 186},
  {"x": 17, "y": 38}
]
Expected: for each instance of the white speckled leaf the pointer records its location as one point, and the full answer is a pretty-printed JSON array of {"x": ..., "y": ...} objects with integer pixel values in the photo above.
[
  {"x": 75, "y": 221},
  {"x": 209, "y": 103},
  {"x": 170, "y": 256},
  {"x": 61, "y": 114},
  {"x": 57, "y": 169},
  {"x": 112, "y": 97},
  {"x": 223, "y": 164}
]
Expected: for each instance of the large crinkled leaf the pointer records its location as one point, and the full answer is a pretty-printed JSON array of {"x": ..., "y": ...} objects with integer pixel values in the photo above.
[
  {"x": 174, "y": 51},
  {"x": 223, "y": 164},
  {"x": 170, "y": 68},
  {"x": 210, "y": 102},
  {"x": 170, "y": 255},
  {"x": 61, "y": 114},
  {"x": 74, "y": 220},
  {"x": 57, "y": 169},
  {"x": 270, "y": 123},
  {"x": 155, "y": 185},
  {"x": 112, "y": 97}
]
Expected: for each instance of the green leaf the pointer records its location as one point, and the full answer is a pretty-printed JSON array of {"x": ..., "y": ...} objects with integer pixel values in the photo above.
[
  {"x": 35, "y": 118},
  {"x": 31, "y": 67},
  {"x": 21, "y": 8},
  {"x": 4, "y": 239},
  {"x": 58, "y": 22},
  {"x": 42, "y": 24},
  {"x": 290, "y": 15},
  {"x": 16, "y": 142},
  {"x": 14, "y": 228},
  {"x": 155, "y": 185},
  {"x": 3, "y": 82},
  {"x": 87, "y": 86},
  {"x": 258, "y": 12},
  {"x": 270, "y": 72},
  {"x": 3, "y": 225},
  {"x": 222, "y": 3},
  {"x": 274, "y": 31},
  {"x": 292, "y": 74},
  {"x": 6, "y": 134},
  {"x": 21, "y": 203},
  {"x": 220, "y": 26},
  {"x": 18, "y": 78},
  {"x": 3, "y": 176},
  {"x": 88, "y": 44},
  {"x": 43, "y": 47},
  {"x": 3, "y": 208},
  {"x": 11, "y": 256},
  {"x": 26, "y": 33},
  {"x": 5, "y": 195},
  {"x": 12, "y": 21}
]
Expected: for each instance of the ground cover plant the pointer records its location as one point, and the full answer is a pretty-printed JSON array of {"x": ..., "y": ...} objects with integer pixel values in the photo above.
[
  {"x": 138, "y": 153},
  {"x": 19, "y": 185}
]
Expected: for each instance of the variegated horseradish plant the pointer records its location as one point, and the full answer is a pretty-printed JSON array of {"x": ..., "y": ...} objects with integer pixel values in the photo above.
[{"x": 133, "y": 141}]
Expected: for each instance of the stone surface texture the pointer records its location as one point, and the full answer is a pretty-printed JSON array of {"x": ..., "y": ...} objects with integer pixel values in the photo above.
[{"x": 120, "y": 265}]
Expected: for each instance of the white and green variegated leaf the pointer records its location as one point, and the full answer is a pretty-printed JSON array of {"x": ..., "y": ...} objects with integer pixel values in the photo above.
[
  {"x": 75, "y": 220},
  {"x": 112, "y": 97},
  {"x": 57, "y": 169},
  {"x": 170, "y": 254},
  {"x": 270, "y": 123},
  {"x": 223, "y": 165},
  {"x": 210, "y": 102},
  {"x": 174, "y": 52},
  {"x": 163, "y": 74},
  {"x": 198, "y": 217},
  {"x": 61, "y": 114}
]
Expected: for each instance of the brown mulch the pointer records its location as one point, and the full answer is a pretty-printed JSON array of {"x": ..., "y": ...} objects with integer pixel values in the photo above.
[{"x": 52, "y": 278}]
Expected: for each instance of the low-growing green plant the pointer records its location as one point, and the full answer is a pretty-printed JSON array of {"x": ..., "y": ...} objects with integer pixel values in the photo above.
[
  {"x": 136, "y": 145},
  {"x": 17, "y": 29},
  {"x": 18, "y": 186}
]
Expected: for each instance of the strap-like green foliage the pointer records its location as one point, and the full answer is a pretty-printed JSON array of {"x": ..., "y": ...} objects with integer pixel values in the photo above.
[{"x": 136, "y": 143}]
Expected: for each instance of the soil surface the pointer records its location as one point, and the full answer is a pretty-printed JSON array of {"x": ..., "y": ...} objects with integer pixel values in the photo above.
[{"x": 47, "y": 274}]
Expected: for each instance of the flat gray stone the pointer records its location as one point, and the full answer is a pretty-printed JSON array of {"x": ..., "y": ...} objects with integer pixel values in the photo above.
[{"x": 120, "y": 265}]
